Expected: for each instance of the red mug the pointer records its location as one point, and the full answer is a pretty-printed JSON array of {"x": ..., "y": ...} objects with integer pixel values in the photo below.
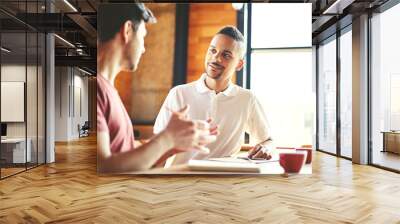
[
  {"x": 292, "y": 162},
  {"x": 309, "y": 154}
]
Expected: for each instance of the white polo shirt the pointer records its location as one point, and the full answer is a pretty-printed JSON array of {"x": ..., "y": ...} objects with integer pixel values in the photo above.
[{"x": 235, "y": 111}]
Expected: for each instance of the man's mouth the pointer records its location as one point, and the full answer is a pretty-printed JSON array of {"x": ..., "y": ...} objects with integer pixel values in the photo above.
[{"x": 214, "y": 66}]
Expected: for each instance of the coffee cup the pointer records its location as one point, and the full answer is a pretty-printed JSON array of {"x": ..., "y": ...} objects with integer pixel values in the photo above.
[
  {"x": 203, "y": 150},
  {"x": 204, "y": 132},
  {"x": 202, "y": 124},
  {"x": 292, "y": 162}
]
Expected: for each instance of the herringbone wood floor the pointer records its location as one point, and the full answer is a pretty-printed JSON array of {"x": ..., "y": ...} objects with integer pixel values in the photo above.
[{"x": 70, "y": 191}]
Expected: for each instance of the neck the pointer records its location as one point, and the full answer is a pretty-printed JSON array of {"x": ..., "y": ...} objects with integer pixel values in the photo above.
[
  {"x": 108, "y": 62},
  {"x": 217, "y": 85}
]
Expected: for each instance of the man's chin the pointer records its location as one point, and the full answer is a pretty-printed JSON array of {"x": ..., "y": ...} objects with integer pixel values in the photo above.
[{"x": 214, "y": 75}]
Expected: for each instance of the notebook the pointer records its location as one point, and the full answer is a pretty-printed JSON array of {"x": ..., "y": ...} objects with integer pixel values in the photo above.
[{"x": 223, "y": 166}]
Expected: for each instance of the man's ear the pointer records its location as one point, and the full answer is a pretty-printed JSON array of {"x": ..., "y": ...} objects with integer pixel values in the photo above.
[
  {"x": 126, "y": 30},
  {"x": 240, "y": 65}
]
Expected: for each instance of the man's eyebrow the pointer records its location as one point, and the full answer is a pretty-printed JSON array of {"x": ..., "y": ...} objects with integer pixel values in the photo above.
[
  {"x": 212, "y": 46},
  {"x": 228, "y": 51}
]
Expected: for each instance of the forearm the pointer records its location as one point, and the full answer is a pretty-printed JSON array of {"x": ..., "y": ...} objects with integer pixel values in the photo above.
[{"x": 140, "y": 158}]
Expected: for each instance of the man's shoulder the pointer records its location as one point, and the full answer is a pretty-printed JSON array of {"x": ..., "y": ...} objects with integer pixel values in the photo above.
[
  {"x": 244, "y": 92},
  {"x": 102, "y": 88},
  {"x": 104, "y": 85}
]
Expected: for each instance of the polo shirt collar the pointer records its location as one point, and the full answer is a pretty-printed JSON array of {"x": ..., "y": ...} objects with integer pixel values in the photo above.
[{"x": 202, "y": 88}]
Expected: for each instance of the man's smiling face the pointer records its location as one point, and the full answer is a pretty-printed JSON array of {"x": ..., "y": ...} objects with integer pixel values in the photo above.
[{"x": 223, "y": 57}]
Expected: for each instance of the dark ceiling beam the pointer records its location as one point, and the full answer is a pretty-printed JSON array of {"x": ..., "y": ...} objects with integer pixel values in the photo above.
[
  {"x": 84, "y": 24},
  {"x": 88, "y": 71},
  {"x": 281, "y": 1},
  {"x": 91, "y": 5},
  {"x": 340, "y": 16},
  {"x": 81, "y": 61},
  {"x": 49, "y": 22},
  {"x": 331, "y": 30},
  {"x": 69, "y": 23},
  {"x": 321, "y": 22},
  {"x": 76, "y": 16},
  {"x": 325, "y": 16},
  {"x": 338, "y": 6},
  {"x": 15, "y": 18},
  {"x": 87, "y": 51}
]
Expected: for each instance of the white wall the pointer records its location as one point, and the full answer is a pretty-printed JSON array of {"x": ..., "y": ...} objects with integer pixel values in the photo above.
[
  {"x": 71, "y": 93},
  {"x": 34, "y": 125},
  {"x": 62, "y": 81},
  {"x": 16, "y": 73}
]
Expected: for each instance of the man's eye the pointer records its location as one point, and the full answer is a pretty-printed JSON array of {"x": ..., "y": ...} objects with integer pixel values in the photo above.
[
  {"x": 227, "y": 56},
  {"x": 212, "y": 51}
]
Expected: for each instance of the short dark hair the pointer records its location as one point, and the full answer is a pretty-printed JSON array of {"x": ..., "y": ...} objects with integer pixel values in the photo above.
[
  {"x": 235, "y": 34},
  {"x": 111, "y": 16}
]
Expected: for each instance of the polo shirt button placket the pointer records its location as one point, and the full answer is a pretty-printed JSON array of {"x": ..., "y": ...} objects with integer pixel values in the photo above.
[{"x": 214, "y": 106}]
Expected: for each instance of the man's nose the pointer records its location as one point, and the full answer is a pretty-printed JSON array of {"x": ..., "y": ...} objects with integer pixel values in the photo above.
[{"x": 217, "y": 57}]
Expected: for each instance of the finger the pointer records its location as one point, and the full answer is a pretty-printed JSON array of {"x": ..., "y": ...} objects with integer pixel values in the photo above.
[
  {"x": 253, "y": 151},
  {"x": 214, "y": 130},
  {"x": 195, "y": 132},
  {"x": 207, "y": 140},
  {"x": 265, "y": 155},
  {"x": 184, "y": 109},
  {"x": 201, "y": 149},
  {"x": 182, "y": 113},
  {"x": 259, "y": 154}
]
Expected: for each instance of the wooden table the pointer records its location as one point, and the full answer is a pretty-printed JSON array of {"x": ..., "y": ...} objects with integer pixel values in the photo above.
[{"x": 267, "y": 168}]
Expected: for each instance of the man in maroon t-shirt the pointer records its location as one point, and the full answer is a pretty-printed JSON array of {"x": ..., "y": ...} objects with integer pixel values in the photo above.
[{"x": 121, "y": 33}]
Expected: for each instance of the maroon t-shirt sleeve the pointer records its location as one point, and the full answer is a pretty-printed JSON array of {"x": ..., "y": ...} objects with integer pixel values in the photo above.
[{"x": 113, "y": 118}]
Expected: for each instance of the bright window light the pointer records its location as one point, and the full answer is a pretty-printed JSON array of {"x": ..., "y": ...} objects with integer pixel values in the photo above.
[
  {"x": 277, "y": 25},
  {"x": 282, "y": 81}
]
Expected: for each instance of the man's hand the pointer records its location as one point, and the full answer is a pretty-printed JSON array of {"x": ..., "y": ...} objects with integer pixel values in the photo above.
[
  {"x": 213, "y": 130},
  {"x": 161, "y": 162},
  {"x": 184, "y": 134},
  {"x": 259, "y": 152}
]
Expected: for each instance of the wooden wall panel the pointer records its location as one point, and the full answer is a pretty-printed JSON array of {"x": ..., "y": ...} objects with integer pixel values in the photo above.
[
  {"x": 123, "y": 83},
  {"x": 204, "y": 21}
]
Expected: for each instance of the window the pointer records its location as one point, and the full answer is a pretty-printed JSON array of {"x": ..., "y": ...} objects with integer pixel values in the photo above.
[
  {"x": 346, "y": 93},
  {"x": 281, "y": 70},
  {"x": 327, "y": 96},
  {"x": 22, "y": 75},
  {"x": 395, "y": 101},
  {"x": 385, "y": 88}
]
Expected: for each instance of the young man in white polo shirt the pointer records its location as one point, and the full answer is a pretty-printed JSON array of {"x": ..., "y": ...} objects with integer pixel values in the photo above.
[{"x": 233, "y": 109}]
